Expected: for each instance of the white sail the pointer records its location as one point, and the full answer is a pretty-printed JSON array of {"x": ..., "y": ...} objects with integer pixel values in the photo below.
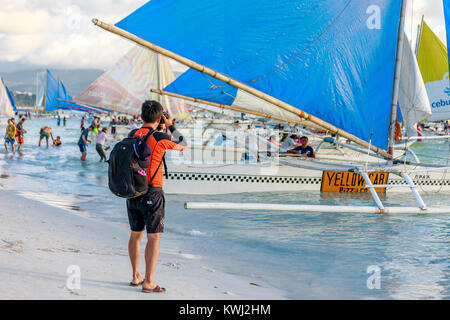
[
  {"x": 123, "y": 87},
  {"x": 40, "y": 89},
  {"x": 413, "y": 98},
  {"x": 6, "y": 108}
]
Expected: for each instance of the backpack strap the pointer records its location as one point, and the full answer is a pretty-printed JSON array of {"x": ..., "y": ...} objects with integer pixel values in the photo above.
[
  {"x": 132, "y": 133},
  {"x": 149, "y": 135},
  {"x": 146, "y": 138},
  {"x": 165, "y": 167},
  {"x": 156, "y": 172}
]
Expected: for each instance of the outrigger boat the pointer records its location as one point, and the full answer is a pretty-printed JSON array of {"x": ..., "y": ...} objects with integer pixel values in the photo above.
[{"x": 344, "y": 69}]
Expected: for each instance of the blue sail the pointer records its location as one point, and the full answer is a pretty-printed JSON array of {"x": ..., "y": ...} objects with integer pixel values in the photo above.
[
  {"x": 51, "y": 92},
  {"x": 333, "y": 59},
  {"x": 11, "y": 98},
  {"x": 447, "y": 21},
  {"x": 56, "y": 97}
]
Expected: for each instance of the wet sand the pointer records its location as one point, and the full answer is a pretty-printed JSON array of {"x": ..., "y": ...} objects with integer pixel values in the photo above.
[{"x": 39, "y": 243}]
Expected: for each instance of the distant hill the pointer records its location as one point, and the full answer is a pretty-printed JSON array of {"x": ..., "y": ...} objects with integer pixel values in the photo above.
[{"x": 75, "y": 81}]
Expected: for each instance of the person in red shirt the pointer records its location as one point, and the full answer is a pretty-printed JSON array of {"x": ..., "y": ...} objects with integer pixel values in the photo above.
[{"x": 147, "y": 212}]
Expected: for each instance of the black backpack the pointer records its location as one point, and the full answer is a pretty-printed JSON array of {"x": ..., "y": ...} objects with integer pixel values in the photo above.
[{"x": 126, "y": 177}]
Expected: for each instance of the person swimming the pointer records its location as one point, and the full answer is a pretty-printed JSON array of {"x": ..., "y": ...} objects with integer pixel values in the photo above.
[{"x": 57, "y": 142}]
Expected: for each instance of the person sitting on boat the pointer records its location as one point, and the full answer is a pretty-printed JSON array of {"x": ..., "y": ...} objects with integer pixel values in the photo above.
[
  {"x": 288, "y": 142},
  {"x": 304, "y": 149}
]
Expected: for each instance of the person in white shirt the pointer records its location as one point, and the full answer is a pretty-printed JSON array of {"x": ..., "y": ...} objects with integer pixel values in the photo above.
[
  {"x": 288, "y": 142},
  {"x": 100, "y": 144},
  {"x": 133, "y": 125}
]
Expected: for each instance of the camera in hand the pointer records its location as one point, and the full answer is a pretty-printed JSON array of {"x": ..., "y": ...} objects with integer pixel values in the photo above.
[{"x": 166, "y": 115}]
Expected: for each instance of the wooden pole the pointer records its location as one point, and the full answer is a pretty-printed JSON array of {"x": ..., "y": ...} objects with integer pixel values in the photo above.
[
  {"x": 219, "y": 76},
  {"x": 222, "y": 106},
  {"x": 396, "y": 88},
  {"x": 419, "y": 36}
]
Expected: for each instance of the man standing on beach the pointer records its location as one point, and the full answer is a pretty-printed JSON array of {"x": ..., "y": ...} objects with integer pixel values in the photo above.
[{"x": 147, "y": 212}]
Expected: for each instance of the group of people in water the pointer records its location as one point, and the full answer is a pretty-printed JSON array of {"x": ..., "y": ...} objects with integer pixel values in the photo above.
[
  {"x": 14, "y": 136},
  {"x": 100, "y": 136},
  {"x": 291, "y": 144},
  {"x": 14, "y": 133}
]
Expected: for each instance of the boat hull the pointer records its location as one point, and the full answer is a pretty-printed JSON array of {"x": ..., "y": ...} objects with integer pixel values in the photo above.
[{"x": 214, "y": 179}]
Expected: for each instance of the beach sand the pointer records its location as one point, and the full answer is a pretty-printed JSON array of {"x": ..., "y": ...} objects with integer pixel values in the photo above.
[{"x": 38, "y": 243}]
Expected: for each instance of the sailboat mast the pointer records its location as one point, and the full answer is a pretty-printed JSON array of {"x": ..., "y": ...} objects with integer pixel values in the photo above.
[
  {"x": 419, "y": 36},
  {"x": 158, "y": 66},
  {"x": 44, "y": 101},
  {"x": 396, "y": 89},
  {"x": 37, "y": 90}
]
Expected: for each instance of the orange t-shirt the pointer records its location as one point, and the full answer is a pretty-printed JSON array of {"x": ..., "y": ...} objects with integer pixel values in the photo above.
[{"x": 160, "y": 142}]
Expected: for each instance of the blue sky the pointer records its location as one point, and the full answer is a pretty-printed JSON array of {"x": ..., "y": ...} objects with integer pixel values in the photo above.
[{"x": 59, "y": 33}]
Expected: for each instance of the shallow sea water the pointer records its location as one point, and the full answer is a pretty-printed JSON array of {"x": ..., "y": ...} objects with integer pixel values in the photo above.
[{"x": 309, "y": 255}]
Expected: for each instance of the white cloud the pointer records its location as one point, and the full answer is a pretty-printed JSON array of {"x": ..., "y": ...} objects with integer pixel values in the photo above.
[{"x": 60, "y": 33}]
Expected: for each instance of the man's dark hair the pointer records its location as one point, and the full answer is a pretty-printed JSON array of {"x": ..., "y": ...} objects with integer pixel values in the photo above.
[
  {"x": 152, "y": 111},
  {"x": 304, "y": 137}
]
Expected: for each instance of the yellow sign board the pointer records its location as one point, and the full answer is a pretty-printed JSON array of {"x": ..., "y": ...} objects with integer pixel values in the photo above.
[{"x": 349, "y": 182}]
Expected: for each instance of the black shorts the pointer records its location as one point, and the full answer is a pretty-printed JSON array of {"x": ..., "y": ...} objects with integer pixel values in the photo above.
[{"x": 147, "y": 212}]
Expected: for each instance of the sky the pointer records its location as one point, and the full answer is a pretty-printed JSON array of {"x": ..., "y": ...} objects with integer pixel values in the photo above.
[{"x": 60, "y": 34}]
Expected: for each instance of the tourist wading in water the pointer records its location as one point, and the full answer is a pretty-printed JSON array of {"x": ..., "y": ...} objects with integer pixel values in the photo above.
[
  {"x": 147, "y": 212},
  {"x": 46, "y": 133},
  {"x": 100, "y": 144},
  {"x": 20, "y": 133},
  {"x": 83, "y": 142},
  {"x": 10, "y": 135}
]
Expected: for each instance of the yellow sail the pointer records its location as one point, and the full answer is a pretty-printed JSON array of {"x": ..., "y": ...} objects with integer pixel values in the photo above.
[{"x": 433, "y": 63}]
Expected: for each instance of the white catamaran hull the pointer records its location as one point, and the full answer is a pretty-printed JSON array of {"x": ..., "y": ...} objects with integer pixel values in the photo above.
[{"x": 210, "y": 179}]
